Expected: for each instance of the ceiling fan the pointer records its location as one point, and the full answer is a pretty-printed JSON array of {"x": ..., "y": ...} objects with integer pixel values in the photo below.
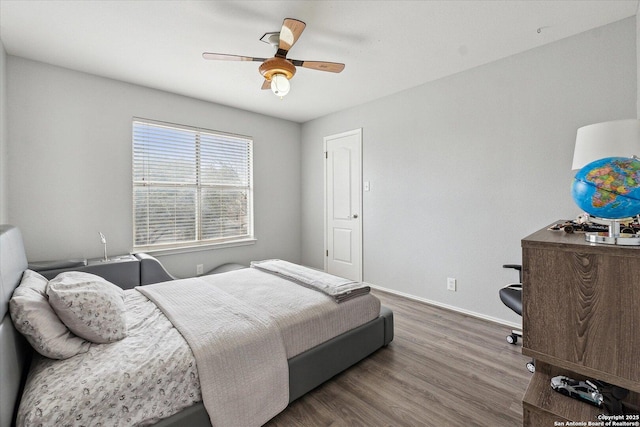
[{"x": 277, "y": 71}]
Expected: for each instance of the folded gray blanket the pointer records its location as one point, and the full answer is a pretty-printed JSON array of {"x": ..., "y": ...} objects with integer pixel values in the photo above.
[
  {"x": 338, "y": 288},
  {"x": 238, "y": 347}
]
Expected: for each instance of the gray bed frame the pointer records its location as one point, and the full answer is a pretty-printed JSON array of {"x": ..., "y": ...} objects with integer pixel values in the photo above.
[{"x": 306, "y": 371}]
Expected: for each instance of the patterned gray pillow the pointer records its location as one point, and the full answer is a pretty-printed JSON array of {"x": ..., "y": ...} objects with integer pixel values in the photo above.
[
  {"x": 90, "y": 306},
  {"x": 34, "y": 318}
]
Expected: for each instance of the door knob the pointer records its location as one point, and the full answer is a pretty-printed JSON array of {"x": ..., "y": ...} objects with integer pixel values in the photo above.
[{"x": 355, "y": 215}]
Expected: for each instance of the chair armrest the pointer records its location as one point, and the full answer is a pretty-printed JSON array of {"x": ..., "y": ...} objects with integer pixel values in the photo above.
[{"x": 515, "y": 267}]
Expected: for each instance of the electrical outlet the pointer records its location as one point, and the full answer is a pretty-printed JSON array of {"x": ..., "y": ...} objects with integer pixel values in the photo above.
[
  {"x": 199, "y": 269},
  {"x": 451, "y": 284}
]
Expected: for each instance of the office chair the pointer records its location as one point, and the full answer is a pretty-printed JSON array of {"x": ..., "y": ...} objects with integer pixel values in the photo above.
[{"x": 511, "y": 296}]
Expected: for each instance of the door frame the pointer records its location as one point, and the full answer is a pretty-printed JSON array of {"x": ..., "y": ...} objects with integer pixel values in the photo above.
[{"x": 357, "y": 132}]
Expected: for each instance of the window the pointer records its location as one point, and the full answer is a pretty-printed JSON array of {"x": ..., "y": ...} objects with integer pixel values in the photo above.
[{"x": 190, "y": 186}]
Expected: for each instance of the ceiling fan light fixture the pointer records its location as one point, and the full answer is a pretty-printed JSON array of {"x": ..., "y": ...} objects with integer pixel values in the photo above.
[
  {"x": 280, "y": 85},
  {"x": 278, "y": 70}
]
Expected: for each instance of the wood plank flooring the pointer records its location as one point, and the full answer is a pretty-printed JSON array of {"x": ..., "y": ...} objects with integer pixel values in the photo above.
[{"x": 442, "y": 369}]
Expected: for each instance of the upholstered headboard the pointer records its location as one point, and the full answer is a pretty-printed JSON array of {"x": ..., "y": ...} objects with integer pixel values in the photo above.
[{"x": 15, "y": 353}]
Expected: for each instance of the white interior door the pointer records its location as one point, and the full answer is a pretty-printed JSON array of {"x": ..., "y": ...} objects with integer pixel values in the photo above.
[{"x": 343, "y": 204}]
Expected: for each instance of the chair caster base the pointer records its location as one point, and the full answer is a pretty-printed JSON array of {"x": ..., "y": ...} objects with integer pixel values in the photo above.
[
  {"x": 531, "y": 367},
  {"x": 513, "y": 337}
]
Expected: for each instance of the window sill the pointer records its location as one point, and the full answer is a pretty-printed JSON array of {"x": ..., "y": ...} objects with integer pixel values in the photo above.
[{"x": 195, "y": 248}]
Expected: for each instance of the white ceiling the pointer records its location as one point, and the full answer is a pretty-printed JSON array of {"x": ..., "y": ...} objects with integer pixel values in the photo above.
[{"x": 387, "y": 46}]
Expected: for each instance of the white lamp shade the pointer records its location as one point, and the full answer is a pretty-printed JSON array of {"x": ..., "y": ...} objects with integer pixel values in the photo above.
[
  {"x": 280, "y": 84},
  {"x": 619, "y": 138}
]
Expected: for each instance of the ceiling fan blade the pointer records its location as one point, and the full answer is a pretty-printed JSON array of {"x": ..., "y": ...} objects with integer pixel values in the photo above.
[
  {"x": 225, "y": 57},
  {"x": 332, "y": 67},
  {"x": 266, "y": 84},
  {"x": 289, "y": 34}
]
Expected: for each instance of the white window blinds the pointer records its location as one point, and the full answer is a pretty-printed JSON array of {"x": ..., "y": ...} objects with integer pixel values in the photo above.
[{"x": 190, "y": 186}]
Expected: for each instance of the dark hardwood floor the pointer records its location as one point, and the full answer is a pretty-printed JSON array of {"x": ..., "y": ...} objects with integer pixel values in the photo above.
[{"x": 442, "y": 369}]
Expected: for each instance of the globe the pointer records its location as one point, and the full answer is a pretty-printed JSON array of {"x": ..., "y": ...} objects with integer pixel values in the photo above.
[{"x": 609, "y": 188}]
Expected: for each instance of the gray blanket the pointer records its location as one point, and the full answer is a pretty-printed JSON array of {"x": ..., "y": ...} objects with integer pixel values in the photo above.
[
  {"x": 240, "y": 355},
  {"x": 340, "y": 289}
]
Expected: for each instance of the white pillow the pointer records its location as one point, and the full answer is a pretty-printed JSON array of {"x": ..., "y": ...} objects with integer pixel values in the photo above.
[
  {"x": 90, "y": 306},
  {"x": 34, "y": 318}
]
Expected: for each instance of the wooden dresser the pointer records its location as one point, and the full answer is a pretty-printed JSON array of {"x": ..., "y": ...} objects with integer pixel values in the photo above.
[{"x": 581, "y": 318}]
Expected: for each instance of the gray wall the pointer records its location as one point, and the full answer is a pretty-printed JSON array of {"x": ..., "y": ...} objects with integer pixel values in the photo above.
[
  {"x": 434, "y": 210},
  {"x": 70, "y": 165},
  {"x": 3, "y": 136},
  {"x": 462, "y": 168}
]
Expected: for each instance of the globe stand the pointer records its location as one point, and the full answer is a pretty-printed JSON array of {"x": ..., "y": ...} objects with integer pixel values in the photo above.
[{"x": 613, "y": 236}]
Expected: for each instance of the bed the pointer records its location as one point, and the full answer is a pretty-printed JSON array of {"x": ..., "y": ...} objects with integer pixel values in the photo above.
[{"x": 306, "y": 367}]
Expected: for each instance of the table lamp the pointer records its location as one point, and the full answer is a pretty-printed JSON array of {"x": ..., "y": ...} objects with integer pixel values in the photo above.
[{"x": 619, "y": 138}]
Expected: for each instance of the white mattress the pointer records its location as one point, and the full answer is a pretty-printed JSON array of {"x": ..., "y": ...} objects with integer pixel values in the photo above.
[{"x": 152, "y": 374}]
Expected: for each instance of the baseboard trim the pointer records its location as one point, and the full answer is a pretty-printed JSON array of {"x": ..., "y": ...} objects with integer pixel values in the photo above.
[{"x": 450, "y": 307}]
